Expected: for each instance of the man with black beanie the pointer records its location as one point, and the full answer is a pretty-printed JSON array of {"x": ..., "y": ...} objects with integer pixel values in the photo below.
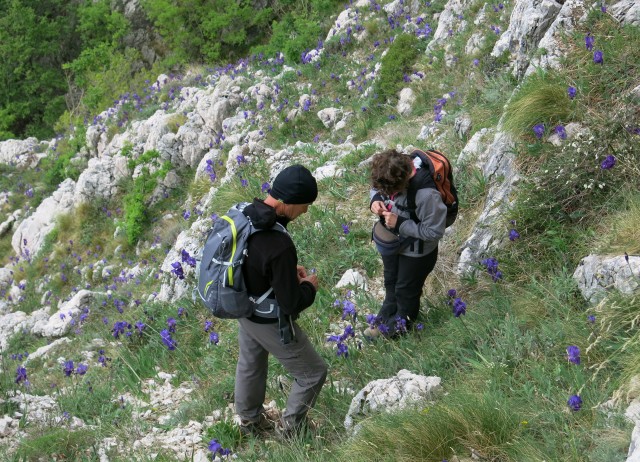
[{"x": 272, "y": 262}]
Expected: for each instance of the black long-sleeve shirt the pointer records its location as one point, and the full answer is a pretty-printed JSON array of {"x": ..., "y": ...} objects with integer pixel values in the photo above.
[{"x": 272, "y": 262}]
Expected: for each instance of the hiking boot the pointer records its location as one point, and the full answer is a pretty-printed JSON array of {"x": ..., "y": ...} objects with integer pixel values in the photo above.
[
  {"x": 256, "y": 427},
  {"x": 288, "y": 432}
]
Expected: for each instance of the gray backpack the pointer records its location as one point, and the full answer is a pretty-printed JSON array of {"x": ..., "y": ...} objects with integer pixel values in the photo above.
[{"x": 221, "y": 284}]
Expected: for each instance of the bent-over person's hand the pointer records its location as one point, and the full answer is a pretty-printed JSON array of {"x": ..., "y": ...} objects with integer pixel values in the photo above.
[
  {"x": 313, "y": 279},
  {"x": 378, "y": 207},
  {"x": 390, "y": 219},
  {"x": 302, "y": 272}
]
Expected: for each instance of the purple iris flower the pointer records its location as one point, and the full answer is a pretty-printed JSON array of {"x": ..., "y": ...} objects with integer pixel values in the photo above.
[
  {"x": 459, "y": 307},
  {"x": 589, "y": 41},
  {"x": 538, "y": 130},
  {"x": 598, "y": 57},
  {"x": 575, "y": 402},
  {"x": 572, "y": 91},
  {"x": 21, "y": 374},
  {"x": 608, "y": 163},
  {"x": 573, "y": 354},
  {"x": 68, "y": 368}
]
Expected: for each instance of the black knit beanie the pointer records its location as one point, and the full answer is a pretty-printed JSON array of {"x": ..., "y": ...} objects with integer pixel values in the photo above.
[{"x": 295, "y": 185}]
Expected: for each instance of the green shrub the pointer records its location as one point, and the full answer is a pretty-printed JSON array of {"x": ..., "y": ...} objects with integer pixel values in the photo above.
[
  {"x": 398, "y": 61},
  {"x": 57, "y": 169},
  {"x": 136, "y": 217},
  {"x": 541, "y": 99}
]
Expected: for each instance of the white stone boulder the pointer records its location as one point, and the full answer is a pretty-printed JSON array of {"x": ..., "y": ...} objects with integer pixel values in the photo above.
[
  {"x": 19, "y": 153},
  {"x": 597, "y": 275},
  {"x": 352, "y": 278},
  {"x": 406, "y": 100},
  {"x": 389, "y": 395},
  {"x": 30, "y": 234},
  {"x": 527, "y": 26},
  {"x": 60, "y": 322},
  {"x": 626, "y": 12},
  {"x": 330, "y": 116}
]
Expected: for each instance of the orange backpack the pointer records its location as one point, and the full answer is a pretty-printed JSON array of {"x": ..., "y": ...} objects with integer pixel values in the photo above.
[{"x": 442, "y": 175}]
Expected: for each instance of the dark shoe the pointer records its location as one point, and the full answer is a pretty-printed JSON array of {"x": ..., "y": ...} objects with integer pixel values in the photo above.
[
  {"x": 287, "y": 432},
  {"x": 258, "y": 427}
]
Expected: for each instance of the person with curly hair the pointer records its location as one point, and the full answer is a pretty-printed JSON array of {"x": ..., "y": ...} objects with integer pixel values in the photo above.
[{"x": 407, "y": 202}]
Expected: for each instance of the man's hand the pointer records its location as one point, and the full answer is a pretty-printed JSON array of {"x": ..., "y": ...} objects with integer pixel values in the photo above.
[
  {"x": 378, "y": 208},
  {"x": 313, "y": 279},
  {"x": 390, "y": 219},
  {"x": 302, "y": 272}
]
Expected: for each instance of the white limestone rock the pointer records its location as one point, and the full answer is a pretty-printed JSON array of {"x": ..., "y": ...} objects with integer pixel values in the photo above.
[
  {"x": 20, "y": 153},
  {"x": 626, "y": 12},
  {"x": 100, "y": 178},
  {"x": 597, "y": 275},
  {"x": 35, "y": 228},
  {"x": 449, "y": 20},
  {"x": 562, "y": 26},
  {"x": 330, "y": 116},
  {"x": 389, "y": 395},
  {"x": 352, "y": 278},
  {"x": 499, "y": 171},
  {"x": 60, "y": 322},
  {"x": 406, "y": 100},
  {"x": 528, "y": 24}
]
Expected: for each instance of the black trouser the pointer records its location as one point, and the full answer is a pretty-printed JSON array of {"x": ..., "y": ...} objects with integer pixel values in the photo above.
[{"x": 403, "y": 281}]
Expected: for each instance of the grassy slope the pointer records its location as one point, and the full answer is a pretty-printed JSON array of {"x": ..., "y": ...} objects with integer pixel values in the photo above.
[{"x": 503, "y": 365}]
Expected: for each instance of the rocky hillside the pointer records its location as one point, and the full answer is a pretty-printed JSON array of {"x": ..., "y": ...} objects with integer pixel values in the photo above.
[{"x": 99, "y": 226}]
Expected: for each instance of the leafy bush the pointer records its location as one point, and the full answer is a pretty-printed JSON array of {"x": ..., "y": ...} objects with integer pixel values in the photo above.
[
  {"x": 57, "y": 169},
  {"x": 401, "y": 56},
  {"x": 135, "y": 209}
]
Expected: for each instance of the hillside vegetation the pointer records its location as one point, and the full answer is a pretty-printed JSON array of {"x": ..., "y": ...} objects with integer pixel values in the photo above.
[{"x": 140, "y": 368}]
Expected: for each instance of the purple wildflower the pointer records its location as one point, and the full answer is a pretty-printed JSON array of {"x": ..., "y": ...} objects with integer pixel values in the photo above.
[
  {"x": 345, "y": 228},
  {"x": 589, "y": 41},
  {"x": 171, "y": 322},
  {"x": 177, "y": 269},
  {"x": 21, "y": 374},
  {"x": 459, "y": 307},
  {"x": 188, "y": 259},
  {"x": 591, "y": 318},
  {"x": 575, "y": 402},
  {"x": 216, "y": 448},
  {"x": 573, "y": 354},
  {"x": 538, "y": 130},
  {"x": 82, "y": 369},
  {"x": 452, "y": 293},
  {"x": 186, "y": 214},
  {"x": 598, "y": 57},
  {"x": 207, "y": 326},
  {"x": 165, "y": 335},
  {"x": 560, "y": 130},
  {"x": 343, "y": 349},
  {"x": 214, "y": 338},
  {"x": 348, "y": 309},
  {"x": 68, "y": 368},
  {"x": 608, "y": 163},
  {"x": 266, "y": 187},
  {"x": 513, "y": 235},
  {"x": 571, "y": 91}
]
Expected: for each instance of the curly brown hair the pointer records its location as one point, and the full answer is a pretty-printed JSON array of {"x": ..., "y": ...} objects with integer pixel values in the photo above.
[{"x": 390, "y": 171}]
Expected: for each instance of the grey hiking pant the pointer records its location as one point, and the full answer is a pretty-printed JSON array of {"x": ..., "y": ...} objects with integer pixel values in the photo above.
[{"x": 299, "y": 358}]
